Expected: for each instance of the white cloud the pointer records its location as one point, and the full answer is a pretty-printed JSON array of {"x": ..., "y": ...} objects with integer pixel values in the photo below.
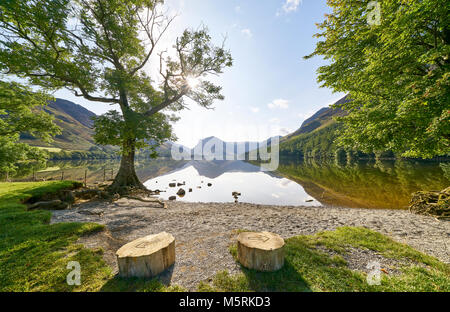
[
  {"x": 279, "y": 103},
  {"x": 247, "y": 32},
  {"x": 238, "y": 9},
  {"x": 254, "y": 109},
  {"x": 289, "y": 6}
]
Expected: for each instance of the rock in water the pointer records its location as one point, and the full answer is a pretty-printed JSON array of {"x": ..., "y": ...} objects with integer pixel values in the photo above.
[
  {"x": 172, "y": 198},
  {"x": 262, "y": 251},
  {"x": 181, "y": 192},
  {"x": 147, "y": 256}
]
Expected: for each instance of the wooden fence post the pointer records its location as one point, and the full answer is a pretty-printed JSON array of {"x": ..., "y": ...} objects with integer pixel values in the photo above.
[
  {"x": 104, "y": 174},
  {"x": 62, "y": 175},
  {"x": 85, "y": 177}
]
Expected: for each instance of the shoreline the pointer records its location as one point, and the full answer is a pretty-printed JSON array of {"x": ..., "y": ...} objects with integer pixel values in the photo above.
[{"x": 204, "y": 231}]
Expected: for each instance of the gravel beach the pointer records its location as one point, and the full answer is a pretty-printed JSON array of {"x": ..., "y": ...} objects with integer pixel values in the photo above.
[{"x": 204, "y": 231}]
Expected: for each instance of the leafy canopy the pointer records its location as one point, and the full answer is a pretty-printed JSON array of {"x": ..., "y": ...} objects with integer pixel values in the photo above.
[
  {"x": 20, "y": 112},
  {"x": 101, "y": 50},
  {"x": 397, "y": 74}
]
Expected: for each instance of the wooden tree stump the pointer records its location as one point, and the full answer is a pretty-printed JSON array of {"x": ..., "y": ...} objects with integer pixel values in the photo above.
[
  {"x": 147, "y": 256},
  {"x": 261, "y": 251}
]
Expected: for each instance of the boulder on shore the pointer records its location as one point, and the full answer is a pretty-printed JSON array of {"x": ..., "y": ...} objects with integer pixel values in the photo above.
[{"x": 431, "y": 203}]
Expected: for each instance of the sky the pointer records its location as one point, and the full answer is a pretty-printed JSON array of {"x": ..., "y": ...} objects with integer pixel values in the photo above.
[{"x": 271, "y": 89}]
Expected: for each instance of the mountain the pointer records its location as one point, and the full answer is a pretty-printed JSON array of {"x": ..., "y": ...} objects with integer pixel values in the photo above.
[
  {"x": 230, "y": 150},
  {"x": 323, "y": 118},
  {"x": 75, "y": 123},
  {"x": 316, "y": 136},
  {"x": 78, "y": 112},
  {"x": 77, "y": 134}
]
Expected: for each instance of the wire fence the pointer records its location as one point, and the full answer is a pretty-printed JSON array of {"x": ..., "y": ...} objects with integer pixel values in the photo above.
[{"x": 86, "y": 175}]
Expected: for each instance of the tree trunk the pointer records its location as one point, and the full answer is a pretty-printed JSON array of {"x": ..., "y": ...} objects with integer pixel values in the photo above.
[{"x": 126, "y": 179}]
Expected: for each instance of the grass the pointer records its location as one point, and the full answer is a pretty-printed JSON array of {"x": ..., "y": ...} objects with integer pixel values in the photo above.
[
  {"x": 307, "y": 268},
  {"x": 34, "y": 254},
  {"x": 50, "y": 149}
]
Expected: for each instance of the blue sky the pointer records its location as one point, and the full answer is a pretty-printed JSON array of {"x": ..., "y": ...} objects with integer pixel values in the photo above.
[{"x": 270, "y": 89}]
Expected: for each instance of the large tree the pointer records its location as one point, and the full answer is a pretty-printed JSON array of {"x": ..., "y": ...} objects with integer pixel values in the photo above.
[
  {"x": 396, "y": 69},
  {"x": 21, "y": 112},
  {"x": 100, "y": 50}
]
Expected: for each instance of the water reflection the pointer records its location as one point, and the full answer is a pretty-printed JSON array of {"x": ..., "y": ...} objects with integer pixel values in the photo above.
[
  {"x": 215, "y": 181},
  {"x": 364, "y": 184}
]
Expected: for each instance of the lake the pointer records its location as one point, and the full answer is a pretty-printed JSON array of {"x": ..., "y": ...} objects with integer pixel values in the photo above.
[{"x": 360, "y": 184}]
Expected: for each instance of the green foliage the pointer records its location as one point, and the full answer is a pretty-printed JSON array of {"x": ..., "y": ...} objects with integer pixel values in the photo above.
[
  {"x": 99, "y": 49},
  {"x": 80, "y": 155},
  {"x": 397, "y": 74},
  {"x": 317, "y": 144},
  {"x": 149, "y": 132},
  {"x": 21, "y": 111},
  {"x": 308, "y": 268}
]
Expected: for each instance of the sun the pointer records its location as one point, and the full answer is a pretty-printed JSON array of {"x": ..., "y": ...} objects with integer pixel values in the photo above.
[{"x": 193, "y": 82}]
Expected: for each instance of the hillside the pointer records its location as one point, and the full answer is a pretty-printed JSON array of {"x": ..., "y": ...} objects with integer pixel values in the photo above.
[
  {"x": 315, "y": 138},
  {"x": 75, "y": 123},
  {"x": 321, "y": 119},
  {"x": 76, "y": 140}
]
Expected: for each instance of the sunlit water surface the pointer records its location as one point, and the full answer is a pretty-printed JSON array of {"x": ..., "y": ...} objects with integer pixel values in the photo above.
[
  {"x": 359, "y": 184},
  {"x": 255, "y": 187}
]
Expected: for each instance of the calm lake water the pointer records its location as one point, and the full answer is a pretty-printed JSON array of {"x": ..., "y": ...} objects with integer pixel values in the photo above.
[{"x": 362, "y": 184}]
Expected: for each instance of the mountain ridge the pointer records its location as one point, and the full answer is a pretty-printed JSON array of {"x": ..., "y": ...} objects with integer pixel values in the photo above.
[
  {"x": 316, "y": 136},
  {"x": 75, "y": 123},
  {"x": 322, "y": 117}
]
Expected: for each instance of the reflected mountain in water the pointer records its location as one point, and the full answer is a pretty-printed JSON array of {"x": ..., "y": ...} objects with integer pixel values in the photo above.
[
  {"x": 362, "y": 184},
  {"x": 365, "y": 184},
  {"x": 215, "y": 168},
  {"x": 215, "y": 181}
]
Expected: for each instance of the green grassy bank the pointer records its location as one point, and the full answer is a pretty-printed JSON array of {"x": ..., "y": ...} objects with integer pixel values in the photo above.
[
  {"x": 34, "y": 256},
  {"x": 310, "y": 267}
]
